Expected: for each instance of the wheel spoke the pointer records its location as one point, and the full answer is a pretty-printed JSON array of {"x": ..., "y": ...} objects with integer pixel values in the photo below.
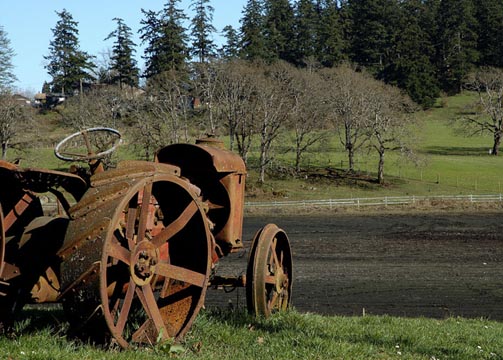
[
  {"x": 131, "y": 221},
  {"x": 149, "y": 303},
  {"x": 144, "y": 211},
  {"x": 126, "y": 307},
  {"x": 172, "y": 229},
  {"x": 274, "y": 300},
  {"x": 181, "y": 274},
  {"x": 116, "y": 251}
]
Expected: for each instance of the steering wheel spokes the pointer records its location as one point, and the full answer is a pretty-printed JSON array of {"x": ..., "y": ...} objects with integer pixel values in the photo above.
[{"x": 90, "y": 144}]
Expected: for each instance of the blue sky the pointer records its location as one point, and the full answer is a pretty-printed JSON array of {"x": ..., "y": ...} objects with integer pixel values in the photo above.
[{"x": 28, "y": 24}]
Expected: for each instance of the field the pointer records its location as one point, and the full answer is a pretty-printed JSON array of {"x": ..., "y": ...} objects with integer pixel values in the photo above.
[{"x": 416, "y": 286}]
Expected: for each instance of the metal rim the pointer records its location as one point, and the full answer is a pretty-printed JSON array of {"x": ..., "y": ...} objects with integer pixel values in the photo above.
[
  {"x": 90, "y": 156},
  {"x": 269, "y": 273},
  {"x": 159, "y": 271}
]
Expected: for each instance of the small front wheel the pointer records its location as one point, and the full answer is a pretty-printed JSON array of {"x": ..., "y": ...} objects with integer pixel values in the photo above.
[{"x": 269, "y": 272}]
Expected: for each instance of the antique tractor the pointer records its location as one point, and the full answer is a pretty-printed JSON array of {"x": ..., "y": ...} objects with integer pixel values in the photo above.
[{"x": 131, "y": 251}]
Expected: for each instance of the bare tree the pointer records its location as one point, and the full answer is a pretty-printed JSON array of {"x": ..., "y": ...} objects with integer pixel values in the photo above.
[
  {"x": 309, "y": 111},
  {"x": 487, "y": 115},
  {"x": 273, "y": 106},
  {"x": 346, "y": 93},
  {"x": 388, "y": 122},
  {"x": 15, "y": 120}
]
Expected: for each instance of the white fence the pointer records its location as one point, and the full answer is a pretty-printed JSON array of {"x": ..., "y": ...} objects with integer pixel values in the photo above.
[{"x": 376, "y": 201}]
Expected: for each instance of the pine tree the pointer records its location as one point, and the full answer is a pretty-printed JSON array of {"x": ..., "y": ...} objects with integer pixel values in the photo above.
[
  {"x": 330, "y": 41},
  {"x": 230, "y": 50},
  {"x": 369, "y": 35},
  {"x": 252, "y": 31},
  {"x": 306, "y": 31},
  {"x": 166, "y": 39},
  {"x": 279, "y": 30},
  {"x": 68, "y": 66},
  {"x": 457, "y": 42},
  {"x": 409, "y": 64},
  {"x": 202, "y": 31},
  {"x": 124, "y": 68},
  {"x": 7, "y": 77},
  {"x": 489, "y": 14}
]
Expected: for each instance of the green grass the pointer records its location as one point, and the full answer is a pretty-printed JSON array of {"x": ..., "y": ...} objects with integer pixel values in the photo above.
[{"x": 226, "y": 334}]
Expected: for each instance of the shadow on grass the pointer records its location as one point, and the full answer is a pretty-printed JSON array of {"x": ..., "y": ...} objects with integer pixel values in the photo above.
[{"x": 456, "y": 150}]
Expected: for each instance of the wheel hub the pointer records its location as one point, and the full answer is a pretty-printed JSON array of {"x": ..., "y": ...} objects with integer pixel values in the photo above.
[{"x": 144, "y": 260}]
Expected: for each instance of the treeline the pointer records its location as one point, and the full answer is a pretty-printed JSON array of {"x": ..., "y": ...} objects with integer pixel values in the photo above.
[{"x": 424, "y": 47}]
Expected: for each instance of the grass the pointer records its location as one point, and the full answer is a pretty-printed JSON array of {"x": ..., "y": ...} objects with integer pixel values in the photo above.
[{"x": 232, "y": 334}]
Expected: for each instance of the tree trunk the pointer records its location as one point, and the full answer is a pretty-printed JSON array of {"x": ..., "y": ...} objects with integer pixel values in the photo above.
[
  {"x": 4, "y": 151},
  {"x": 497, "y": 142},
  {"x": 380, "y": 169}
]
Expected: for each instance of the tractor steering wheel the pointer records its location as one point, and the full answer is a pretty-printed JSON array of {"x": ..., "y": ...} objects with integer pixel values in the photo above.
[{"x": 90, "y": 144}]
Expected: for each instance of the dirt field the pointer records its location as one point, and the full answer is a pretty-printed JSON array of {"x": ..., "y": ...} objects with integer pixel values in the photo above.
[{"x": 432, "y": 265}]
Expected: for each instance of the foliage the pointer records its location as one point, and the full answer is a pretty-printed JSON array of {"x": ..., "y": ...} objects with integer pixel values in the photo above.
[
  {"x": 68, "y": 66},
  {"x": 165, "y": 38},
  {"x": 202, "y": 30},
  {"x": 7, "y": 77},
  {"x": 123, "y": 69},
  {"x": 15, "y": 120}
]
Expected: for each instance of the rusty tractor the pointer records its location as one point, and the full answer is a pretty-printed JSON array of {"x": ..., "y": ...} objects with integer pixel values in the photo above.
[{"x": 130, "y": 252}]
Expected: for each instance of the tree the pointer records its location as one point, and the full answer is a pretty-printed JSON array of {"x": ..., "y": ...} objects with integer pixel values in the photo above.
[
  {"x": 346, "y": 91},
  {"x": 330, "y": 40},
  {"x": 165, "y": 38},
  {"x": 487, "y": 116},
  {"x": 370, "y": 32},
  {"x": 410, "y": 62},
  {"x": 457, "y": 43},
  {"x": 230, "y": 50},
  {"x": 306, "y": 31},
  {"x": 68, "y": 66},
  {"x": 124, "y": 69},
  {"x": 388, "y": 122},
  {"x": 252, "y": 31},
  {"x": 279, "y": 32},
  {"x": 7, "y": 77},
  {"x": 272, "y": 109},
  {"x": 309, "y": 111},
  {"x": 202, "y": 31},
  {"x": 14, "y": 122},
  {"x": 489, "y": 15},
  {"x": 235, "y": 94}
]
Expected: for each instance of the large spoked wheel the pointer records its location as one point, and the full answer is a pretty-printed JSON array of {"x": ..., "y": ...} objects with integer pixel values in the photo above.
[
  {"x": 269, "y": 272},
  {"x": 156, "y": 264},
  {"x": 90, "y": 144}
]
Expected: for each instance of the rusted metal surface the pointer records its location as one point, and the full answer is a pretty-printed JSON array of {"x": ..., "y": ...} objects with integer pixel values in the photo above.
[
  {"x": 148, "y": 259},
  {"x": 269, "y": 275},
  {"x": 220, "y": 174}
]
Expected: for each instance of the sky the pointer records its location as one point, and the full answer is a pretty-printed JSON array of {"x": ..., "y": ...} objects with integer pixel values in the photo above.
[{"x": 29, "y": 24}]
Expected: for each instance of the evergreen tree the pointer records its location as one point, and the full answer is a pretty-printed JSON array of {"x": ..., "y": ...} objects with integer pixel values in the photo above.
[
  {"x": 7, "y": 77},
  {"x": 124, "y": 68},
  {"x": 279, "y": 30},
  {"x": 306, "y": 29},
  {"x": 330, "y": 40},
  {"x": 409, "y": 65},
  {"x": 202, "y": 30},
  {"x": 252, "y": 31},
  {"x": 68, "y": 66},
  {"x": 489, "y": 14},
  {"x": 369, "y": 33},
  {"x": 230, "y": 50},
  {"x": 457, "y": 42},
  {"x": 166, "y": 39}
]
